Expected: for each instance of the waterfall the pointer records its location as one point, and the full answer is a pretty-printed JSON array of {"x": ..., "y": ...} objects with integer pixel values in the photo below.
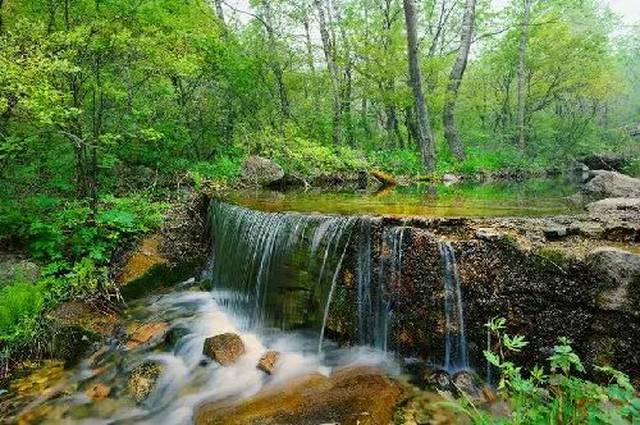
[
  {"x": 271, "y": 264},
  {"x": 455, "y": 344}
]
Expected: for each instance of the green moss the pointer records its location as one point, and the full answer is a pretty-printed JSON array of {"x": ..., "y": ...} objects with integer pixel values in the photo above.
[{"x": 159, "y": 276}]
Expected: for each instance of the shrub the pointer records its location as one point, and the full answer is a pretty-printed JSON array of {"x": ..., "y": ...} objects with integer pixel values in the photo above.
[
  {"x": 21, "y": 305},
  {"x": 556, "y": 395}
]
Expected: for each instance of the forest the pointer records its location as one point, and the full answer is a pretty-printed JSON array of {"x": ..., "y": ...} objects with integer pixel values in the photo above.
[{"x": 114, "y": 112}]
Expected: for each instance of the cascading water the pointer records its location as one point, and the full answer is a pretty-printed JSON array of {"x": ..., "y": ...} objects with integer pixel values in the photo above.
[
  {"x": 456, "y": 355},
  {"x": 276, "y": 264}
]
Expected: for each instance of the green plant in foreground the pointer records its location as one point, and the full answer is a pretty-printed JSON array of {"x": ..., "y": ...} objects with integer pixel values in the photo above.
[{"x": 558, "y": 396}]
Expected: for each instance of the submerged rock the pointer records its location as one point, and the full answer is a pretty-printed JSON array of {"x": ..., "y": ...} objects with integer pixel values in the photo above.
[
  {"x": 609, "y": 184},
  {"x": 359, "y": 395},
  {"x": 143, "y": 379},
  {"x": 146, "y": 333},
  {"x": 261, "y": 171},
  {"x": 98, "y": 392},
  {"x": 225, "y": 349},
  {"x": 268, "y": 362}
]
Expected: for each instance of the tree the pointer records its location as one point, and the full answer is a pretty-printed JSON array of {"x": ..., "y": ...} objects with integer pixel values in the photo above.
[
  {"x": 426, "y": 141},
  {"x": 455, "y": 79},
  {"x": 522, "y": 72}
]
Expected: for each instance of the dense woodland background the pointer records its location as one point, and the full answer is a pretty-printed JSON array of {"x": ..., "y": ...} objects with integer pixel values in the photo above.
[{"x": 107, "y": 106}]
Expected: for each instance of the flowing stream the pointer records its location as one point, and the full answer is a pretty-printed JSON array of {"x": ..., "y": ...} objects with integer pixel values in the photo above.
[{"x": 275, "y": 278}]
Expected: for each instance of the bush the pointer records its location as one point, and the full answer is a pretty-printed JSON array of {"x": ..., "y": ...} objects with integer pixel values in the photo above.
[
  {"x": 21, "y": 305},
  {"x": 558, "y": 395}
]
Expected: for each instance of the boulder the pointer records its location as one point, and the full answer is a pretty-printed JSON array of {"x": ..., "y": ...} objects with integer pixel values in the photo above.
[
  {"x": 225, "y": 349},
  {"x": 488, "y": 234},
  {"x": 610, "y": 184},
  {"x": 13, "y": 268},
  {"x": 358, "y": 395},
  {"x": 618, "y": 272},
  {"x": 610, "y": 205},
  {"x": 261, "y": 171},
  {"x": 440, "y": 380},
  {"x": 143, "y": 379},
  {"x": 553, "y": 233},
  {"x": 609, "y": 162},
  {"x": 268, "y": 362},
  {"x": 471, "y": 386},
  {"x": 451, "y": 179}
]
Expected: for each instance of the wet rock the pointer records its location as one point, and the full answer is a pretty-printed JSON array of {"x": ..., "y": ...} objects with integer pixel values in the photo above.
[
  {"x": 268, "y": 362},
  {"x": 554, "y": 233},
  {"x": 469, "y": 384},
  {"x": 618, "y": 272},
  {"x": 146, "y": 257},
  {"x": 609, "y": 184},
  {"x": 359, "y": 395},
  {"x": 98, "y": 392},
  {"x": 611, "y": 205},
  {"x": 146, "y": 333},
  {"x": 83, "y": 315},
  {"x": 174, "y": 334},
  {"x": 440, "y": 380},
  {"x": 261, "y": 171},
  {"x": 225, "y": 349},
  {"x": 143, "y": 379},
  {"x": 609, "y": 162}
]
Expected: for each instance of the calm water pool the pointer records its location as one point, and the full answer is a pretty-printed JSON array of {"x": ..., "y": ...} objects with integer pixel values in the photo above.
[{"x": 538, "y": 197}]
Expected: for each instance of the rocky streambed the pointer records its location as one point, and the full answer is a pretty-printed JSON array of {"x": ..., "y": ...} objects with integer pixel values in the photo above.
[{"x": 340, "y": 318}]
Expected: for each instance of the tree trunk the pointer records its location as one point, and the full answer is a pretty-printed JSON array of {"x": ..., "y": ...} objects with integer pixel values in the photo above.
[
  {"x": 425, "y": 138},
  {"x": 327, "y": 47},
  {"x": 522, "y": 73},
  {"x": 218, "y": 6},
  {"x": 275, "y": 62},
  {"x": 455, "y": 79}
]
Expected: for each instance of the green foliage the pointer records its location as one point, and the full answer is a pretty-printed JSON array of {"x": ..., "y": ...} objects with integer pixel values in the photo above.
[
  {"x": 21, "y": 304},
  {"x": 560, "y": 396},
  {"x": 61, "y": 232}
]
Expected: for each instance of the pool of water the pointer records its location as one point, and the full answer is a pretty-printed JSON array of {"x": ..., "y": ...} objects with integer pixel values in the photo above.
[{"x": 535, "y": 198}]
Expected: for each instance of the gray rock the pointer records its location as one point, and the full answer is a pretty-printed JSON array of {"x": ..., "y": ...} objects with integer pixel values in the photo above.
[
  {"x": 614, "y": 205},
  {"x": 13, "y": 268},
  {"x": 143, "y": 379},
  {"x": 488, "y": 234},
  {"x": 450, "y": 179},
  {"x": 618, "y": 272},
  {"x": 609, "y": 184},
  {"x": 555, "y": 232},
  {"x": 610, "y": 162},
  {"x": 225, "y": 349},
  {"x": 261, "y": 171}
]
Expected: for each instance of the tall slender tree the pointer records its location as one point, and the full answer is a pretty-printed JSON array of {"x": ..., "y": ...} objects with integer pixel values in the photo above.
[
  {"x": 455, "y": 79},
  {"x": 522, "y": 73},
  {"x": 426, "y": 140},
  {"x": 328, "y": 47}
]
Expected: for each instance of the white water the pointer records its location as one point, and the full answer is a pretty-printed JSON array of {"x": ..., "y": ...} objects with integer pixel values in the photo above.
[
  {"x": 456, "y": 354},
  {"x": 185, "y": 382}
]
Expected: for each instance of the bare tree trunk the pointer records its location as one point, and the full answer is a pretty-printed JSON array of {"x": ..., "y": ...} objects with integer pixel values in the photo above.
[
  {"x": 327, "y": 47},
  {"x": 522, "y": 73},
  {"x": 218, "y": 6},
  {"x": 425, "y": 138},
  {"x": 275, "y": 62},
  {"x": 455, "y": 78}
]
